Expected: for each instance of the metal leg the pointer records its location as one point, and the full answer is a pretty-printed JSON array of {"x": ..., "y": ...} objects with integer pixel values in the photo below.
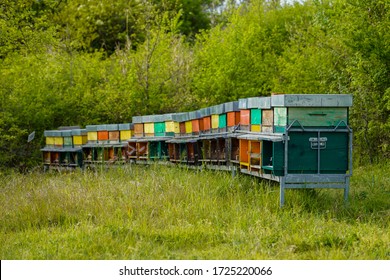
[
  {"x": 346, "y": 189},
  {"x": 282, "y": 191},
  {"x": 234, "y": 171}
]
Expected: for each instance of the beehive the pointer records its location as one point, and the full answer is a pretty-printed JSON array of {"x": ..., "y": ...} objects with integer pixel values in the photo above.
[
  {"x": 92, "y": 135},
  {"x": 79, "y": 137},
  {"x": 126, "y": 131},
  {"x": 232, "y": 115},
  {"x": 215, "y": 112},
  {"x": 195, "y": 119},
  {"x": 308, "y": 110},
  {"x": 50, "y": 137},
  {"x": 159, "y": 128},
  {"x": 67, "y": 138},
  {"x": 222, "y": 123},
  {"x": 113, "y": 133},
  {"x": 102, "y": 133},
  {"x": 149, "y": 129}
]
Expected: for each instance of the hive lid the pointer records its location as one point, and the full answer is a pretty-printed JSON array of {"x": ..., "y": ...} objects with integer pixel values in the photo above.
[
  {"x": 243, "y": 103},
  {"x": 217, "y": 109},
  {"x": 91, "y": 127},
  {"x": 259, "y": 103},
  {"x": 66, "y": 133},
  {"x": 232, "y": 106},
  {"x": 204, "y": 112},
  {"x": 137, "y": 119},
  {"x": 125, "y": 126},
  {"x": 101, "y": 127},
  {"x": 194, "y": 115},
  {"x": 312, "y": 100},
  {"x": 79, "y": 132},
  {"x": 52, "y": 133},
  {"x": 112, "y": 127}
]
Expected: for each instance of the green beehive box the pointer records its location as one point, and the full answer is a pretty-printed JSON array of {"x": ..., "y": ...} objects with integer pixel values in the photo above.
[
  {"x": 255, "y": 116},
  {"x": 222, "y": 123},
  {"x": 68, "y": 139},
  {"x": 159, "y": 128}
]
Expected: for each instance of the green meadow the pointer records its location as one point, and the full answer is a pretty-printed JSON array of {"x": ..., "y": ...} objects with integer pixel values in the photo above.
[{"x": 160, "y": 212}]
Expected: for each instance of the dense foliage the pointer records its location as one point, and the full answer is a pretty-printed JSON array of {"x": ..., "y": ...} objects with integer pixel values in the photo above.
[{"x": 78, "y": 62}]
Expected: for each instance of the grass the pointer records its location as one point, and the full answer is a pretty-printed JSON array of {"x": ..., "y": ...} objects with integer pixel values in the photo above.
[{"x": 158, "y": 212}]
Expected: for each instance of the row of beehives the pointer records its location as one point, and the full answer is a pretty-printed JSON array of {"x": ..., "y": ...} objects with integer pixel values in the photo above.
[{"x": 230, "y": 133}]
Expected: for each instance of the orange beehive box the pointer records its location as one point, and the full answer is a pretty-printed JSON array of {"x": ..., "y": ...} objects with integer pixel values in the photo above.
[{"x": 233, "y": 118}]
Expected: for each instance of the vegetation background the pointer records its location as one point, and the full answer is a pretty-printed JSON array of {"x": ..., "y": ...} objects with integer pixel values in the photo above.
[{"x": 79, "y": 62}]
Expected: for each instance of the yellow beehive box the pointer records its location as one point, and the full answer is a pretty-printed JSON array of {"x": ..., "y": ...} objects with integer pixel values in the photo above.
[
  {"x": 171, "y": 126},
  {"x": 79, "y": 137},
  {"x": 50, "y": 141},
  {"x": 59, "y": 141},
  {"x": 126, "y": 131},
  {"x": 149, "y": 128},
  {"x": 92, "y": 134},
  {"x": 256, "y": 127},
  {"x": 188, "y": 125},
  {"x": 214, "y": 121},
  {"x": 125, "y": 134}
]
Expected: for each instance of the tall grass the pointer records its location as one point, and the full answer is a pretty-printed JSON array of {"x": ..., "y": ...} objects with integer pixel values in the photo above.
[{"x": 159, "y": 212}]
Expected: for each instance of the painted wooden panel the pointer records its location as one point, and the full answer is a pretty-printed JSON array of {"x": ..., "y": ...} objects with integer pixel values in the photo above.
[
  {"x": 233, "y": 118},
  {"x": 280, "y": 116},
  {"x": 182, "y": 128},
  {"x": 244, "y": 148},
  {"x": 149, "y": 128},
  {"x": 142, "y": 150},
  {"x": 235, "y": 149},
  {"x": 92, "y": 136},
  {"x": 222, "y": 122},
  {"x": 139, "y": 129},
  {"x": 279, "y": 129},
  {"x": 68, "y": 141},
  {"x": 201, "y": 124},
  {"x": 267, "y": 117},
  {"x": 255, "y": 154},
  {"x": 50, "y": 141},
  {"x": 46, "y": 157},
  {"x": 58, "y": 141},
  {"x": 159, "y": 128},
  {"x": 188, "y": 125},
  {"x": 318, "y": 116},
  {"x": 214, "y": 121},
  {"x": 171, "y": 126},
  {"x": 256, "y": 127},
  {"x": 125, "y": 134},
  {"x": 102, "y": 135},
  {"x": 267, "y": 128},
  {"x": 113, "y": 136},
  {"x": 79, "y": 140},
  {"x": 195, "y": 126},
  {"x": 245, "y": 117},
  {"x": 206, "y": 123},
  {"x": 255, "y": 116},
  {"x": 132, "y": 150}
]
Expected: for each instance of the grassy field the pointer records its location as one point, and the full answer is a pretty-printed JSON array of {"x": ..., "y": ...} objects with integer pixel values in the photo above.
[{"x": 157, "y": 212}]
